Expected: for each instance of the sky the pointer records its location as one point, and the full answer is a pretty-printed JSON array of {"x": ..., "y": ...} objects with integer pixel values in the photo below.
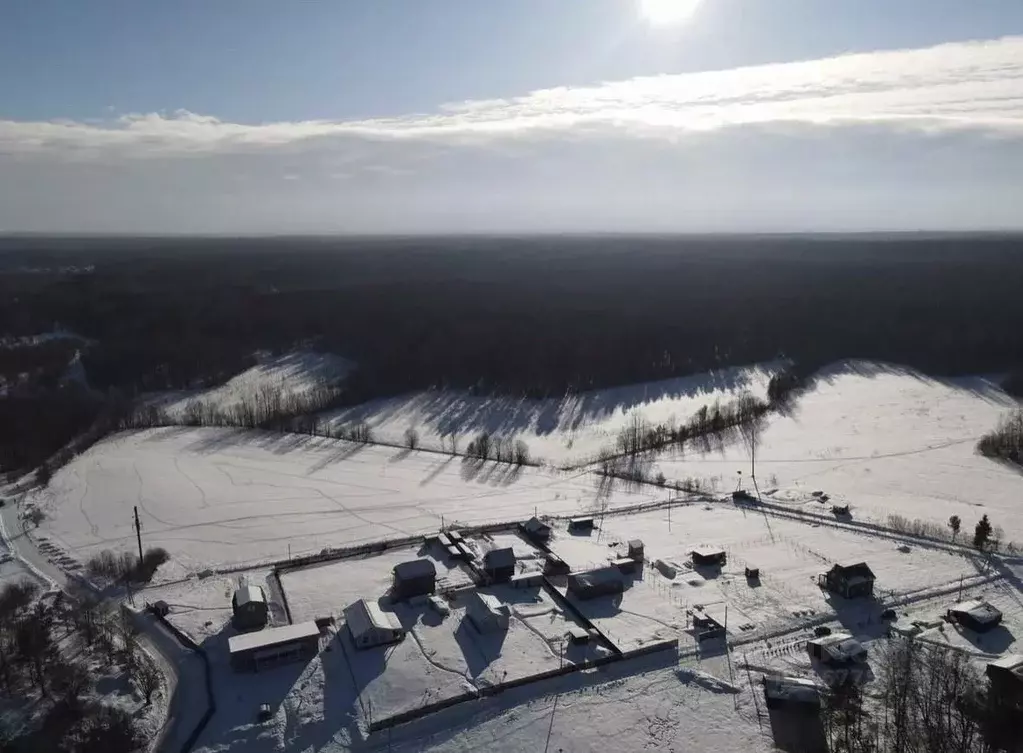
[{"x": 475, "y": 116}]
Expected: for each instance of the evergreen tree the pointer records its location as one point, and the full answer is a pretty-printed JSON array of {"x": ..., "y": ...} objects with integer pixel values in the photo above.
[{"x": 982, "y": 533}]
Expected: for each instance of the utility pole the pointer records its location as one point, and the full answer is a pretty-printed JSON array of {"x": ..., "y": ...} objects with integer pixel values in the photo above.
[{"x": 138, "y": 531}]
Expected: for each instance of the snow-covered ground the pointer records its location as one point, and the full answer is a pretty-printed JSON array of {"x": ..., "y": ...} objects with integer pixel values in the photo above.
[
  {"x": 883, "y": 439},
  {"x": 559, "y": 431},
  {"x": 221, "y": 497}
]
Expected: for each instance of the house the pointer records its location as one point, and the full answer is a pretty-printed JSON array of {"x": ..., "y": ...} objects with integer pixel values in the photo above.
[
  {"x": 488, "y": 613},
  {"x": 636, "y": 550},
  {"x": 371, "y": 626},
  {"x": 580, "y": 525},
  {"x": 975, "y": 614},
  {"x": 414, "y": 578},
  {"x": 1006, "y": 676},
  {"x": 795, "y": 693},
  {"x": 536, "y": 529},
  {"x": 836, "y": 650},
  {"x": 593, "y": 583},
  {"x": 250, "y": 608},
  {"x": 554, "y": 565},
  {"x": 851, "y": 581},
  {"x": 499, "y": 564},
  {"x": 257, "y": 650},
  {"x": 709, "y": 556}
]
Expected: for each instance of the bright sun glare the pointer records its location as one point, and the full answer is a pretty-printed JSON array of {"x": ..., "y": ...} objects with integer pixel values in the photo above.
[{"x": 668, "y": 12}]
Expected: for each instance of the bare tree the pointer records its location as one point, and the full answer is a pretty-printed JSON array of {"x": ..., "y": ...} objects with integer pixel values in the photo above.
[
  {"x": 147, "y": 677},
  {"x": 955, "y": 523},
  {"x": 750, "y": 415},
  {"x": 411, "y": 438}
]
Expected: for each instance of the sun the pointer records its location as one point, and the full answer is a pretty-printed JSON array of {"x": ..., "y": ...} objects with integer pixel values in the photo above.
[{"x": 668, "y": 12}]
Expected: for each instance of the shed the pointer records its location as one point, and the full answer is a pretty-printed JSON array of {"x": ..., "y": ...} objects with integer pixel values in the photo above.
[
  {"x": 636, "y": 549},
  {"x": 796, "y": 693},
  {"x": 625, "y": 564},
  {"x": 499, "y": 564},
  {"x": 554, "y": 565},
  {"x": 371, "y": 626},
  {"x": 837, "y": 650},
  {"x": 851, "y": 581},
  {"x": 752, "y": 573},
  {"x": 249, "y": 607},
  {"x": 414, "y": 578},
  {"x": 488, "y": 613},
  {"x": 272, "y": 646},
  {"x": 536, "y": 529},
  {"x": 1006, "y": 675},
  {"x": 976, "y": 615},
  {"x": 709, "y": 556},
  {"x": 580, "y": 524},
  {"x": 577, "y": 636},
  {"x": 593, "y": 583}
]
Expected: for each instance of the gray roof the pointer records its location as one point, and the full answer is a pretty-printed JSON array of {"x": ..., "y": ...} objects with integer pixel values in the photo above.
[
  {"x": 247, "y": 594},
  {"x": 592, "y": 578},
  {"x": 365, "y": 616},
  {"x": 415, "y": 569},
  {"x": 499, "y": 558},
  {"x": 272, "y": 637},
  {"x": 981, "y": 611}
]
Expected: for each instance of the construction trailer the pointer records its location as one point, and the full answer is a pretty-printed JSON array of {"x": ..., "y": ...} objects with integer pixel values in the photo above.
[
  {"x": 371, "y": 626},
  {"x": 251, "y": 652}
]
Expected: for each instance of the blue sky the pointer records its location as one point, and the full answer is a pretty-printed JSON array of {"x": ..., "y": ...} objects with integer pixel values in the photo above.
[{"x": 423, "y": 115}]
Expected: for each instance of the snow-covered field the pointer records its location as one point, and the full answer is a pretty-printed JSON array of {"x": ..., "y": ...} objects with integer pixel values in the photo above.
[
  {"x": 559, "y": 431},
  {"x": 221, "y": 497},
  {"x": 883, "y": 439}
]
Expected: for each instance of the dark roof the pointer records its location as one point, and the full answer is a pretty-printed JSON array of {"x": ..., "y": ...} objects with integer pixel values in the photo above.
[
  {"x": 415, "y": 569},
  {"x": 535, "y": 524},
  {"x": 595, "y": 578},
  {"x": 981, "y": 611},
  {"x": 860, "y": 569},
  {"x": 496, "y": 558},
  {"x": 635, "y": 543}
]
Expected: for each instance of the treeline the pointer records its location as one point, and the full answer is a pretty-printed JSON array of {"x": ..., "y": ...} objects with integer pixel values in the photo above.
[
  {"x": 51, "y": 688},
  {"x": 125, "y": 567},
  {"x": 926, "y": 699},
  {"x": 1006, "y": 441},
  {"x": 498, "y": 448}
]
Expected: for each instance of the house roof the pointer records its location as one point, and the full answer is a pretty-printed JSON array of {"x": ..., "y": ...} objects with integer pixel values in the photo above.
[
  {"x": 504, "y": 557},
  {"x": 365, "y": 616},
  {"x": 635, "y": 543},
  {"x": 709, "y": 551},
  {"x": 840, "y": 646},
  {"x": 247, "y": 594},
  {"x": 487, "y": 603},
  {"x": 979, "y": 610},
  {"x": 420, "y": 568},
  {"x": 596, "y": 577},
  {"x": 535, "y": 524},
  {"x": 855, "y": 569},
  {"x": 272, "y": 637}
]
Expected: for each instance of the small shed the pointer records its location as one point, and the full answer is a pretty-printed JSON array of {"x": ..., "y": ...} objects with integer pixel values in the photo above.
[
  {"x": 851, "y": 581},
  {"x": 414, "y": 578},
  {"x": 591, "y": 584},
  {"x": 976, "y": 615},
  {"x": 580, "y": 525},
  {"x": 709, "y": 556},
  {"x": 795, "y": 693},
  {"x": 371, "y": 626},
  {"x": 536, "y": 529},
  {"x": 499, "y": 564},
  {"x": 1006, "y": 676},
  {"x": 636, "y": 549},
  {"x": 272, "y": 646},
  {"x": 249, "y": 607},
  {"x": 488, "y": 613},
  {"x": 577, "y": 636},
  {"x": 752, "y": 573},
  {"x": 837, "y": 650}
]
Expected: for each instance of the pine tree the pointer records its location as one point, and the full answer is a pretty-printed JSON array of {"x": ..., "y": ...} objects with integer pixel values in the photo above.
[
  {"x": 955, "y": 523},
  {"x": 982, "y": 533}
]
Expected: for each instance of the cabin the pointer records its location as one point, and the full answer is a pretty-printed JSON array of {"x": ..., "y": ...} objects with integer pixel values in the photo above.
[
  {"x": 592, "y": 584},
  {"x": 1005, "y": 675},
  {"x": 261, "y": 649},
  {"x": 249, "y": 608},
  {"x": 636, "y": 550},
  {"x": 836, "y": 650},
  {"x": 580, "y": 525},
  {"x": 709, "y": 556},
  {"x": 536, "y": 530},
  {"x": 488, "y": 613},
  {"x": 975, "y": 614},
  {"x": 851, "y": 581},
  {"x": 414, "y": 578},
  {"x": 371, "y": 626},
  {"x": 499, "y": 564},
  {"x": 793, "y": 693}
]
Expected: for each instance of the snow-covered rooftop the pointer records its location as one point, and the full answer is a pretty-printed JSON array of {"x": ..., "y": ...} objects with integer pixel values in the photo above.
[
  {"x": 363, "y": 616},
  {"x": 272, "y": 636},
  {"x": 247, "y": 594}
]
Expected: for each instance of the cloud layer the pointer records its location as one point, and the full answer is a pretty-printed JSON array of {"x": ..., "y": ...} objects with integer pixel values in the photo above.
[{"x": 854, "y": 128}]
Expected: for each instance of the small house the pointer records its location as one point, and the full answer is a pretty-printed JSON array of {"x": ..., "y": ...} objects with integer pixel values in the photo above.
[
  {"x": 851, "y": 581},
  {"x": 554, "y": 565},
  {"x": 249, "y": 607},
  {"x": 499, "y": 564},
  {"x": 709, "y": 556},
  {"x": 414, "y": 578},
  {"x": 488, "y": 613},
  {"x": 580, "y": 525},
  {"x": 1006, "y": 676},
  {"x": 594, "y": 583},
  {"x": 536, "y": 529},
  {"x": 976, "y": 615},
  {"x": 371, "y": 626},
  {"x": 794, "y": 693},
  {"x": 836, "y": 650},
  {"x": 636, "y": 550}
]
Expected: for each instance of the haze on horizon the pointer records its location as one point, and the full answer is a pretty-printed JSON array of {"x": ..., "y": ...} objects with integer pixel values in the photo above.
[{"x": 596, "y": 116}]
